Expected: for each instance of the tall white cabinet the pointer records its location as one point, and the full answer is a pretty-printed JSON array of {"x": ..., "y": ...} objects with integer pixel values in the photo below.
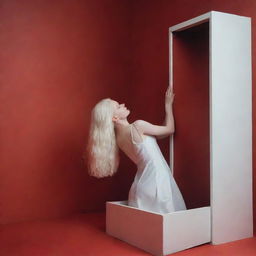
[
  {"x": 229, "y": 215},
  {"x": 230, "y": 99}
]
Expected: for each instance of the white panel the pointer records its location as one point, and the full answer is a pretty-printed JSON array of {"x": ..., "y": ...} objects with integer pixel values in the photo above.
[
  {"x": 231, "y": 127},
  {"x": 185, "y": 229},
  {"x": 142, "y": 229},
  {"x": 191, "y": 23},
  {"x": 170, "y": 84}
]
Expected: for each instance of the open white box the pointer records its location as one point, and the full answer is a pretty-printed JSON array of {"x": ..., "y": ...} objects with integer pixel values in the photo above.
[
  {"x": 158, "y": 234},
  {"x": 229, "y": 215}
]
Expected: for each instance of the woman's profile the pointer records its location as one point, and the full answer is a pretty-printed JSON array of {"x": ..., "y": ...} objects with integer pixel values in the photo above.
[{"x": 153, "y": 188}]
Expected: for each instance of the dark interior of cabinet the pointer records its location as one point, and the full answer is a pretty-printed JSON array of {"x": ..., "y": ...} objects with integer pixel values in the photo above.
[{"x": 191, "y": 112}]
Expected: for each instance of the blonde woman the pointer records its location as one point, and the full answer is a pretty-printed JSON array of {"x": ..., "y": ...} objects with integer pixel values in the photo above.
[{"x": 153, "y": 188}]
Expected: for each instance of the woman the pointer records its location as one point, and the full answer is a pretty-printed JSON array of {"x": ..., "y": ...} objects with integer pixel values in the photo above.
[{"x": 154, "y": 188}]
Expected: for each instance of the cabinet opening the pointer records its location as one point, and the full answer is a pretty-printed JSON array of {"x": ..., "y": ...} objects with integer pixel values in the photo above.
[{"x": 191, "y": 140}]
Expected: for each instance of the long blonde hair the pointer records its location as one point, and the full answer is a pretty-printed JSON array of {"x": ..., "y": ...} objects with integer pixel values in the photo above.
[{"x": 102, "y": 149}]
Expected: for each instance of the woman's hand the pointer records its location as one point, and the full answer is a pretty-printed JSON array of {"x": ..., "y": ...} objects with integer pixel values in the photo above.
[{"x": 169, "y": 98}]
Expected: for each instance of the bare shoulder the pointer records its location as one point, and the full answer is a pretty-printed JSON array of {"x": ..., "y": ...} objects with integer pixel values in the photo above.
[
  {"x": 140, "y": 124},
  {"x": 147, "y": 128}
]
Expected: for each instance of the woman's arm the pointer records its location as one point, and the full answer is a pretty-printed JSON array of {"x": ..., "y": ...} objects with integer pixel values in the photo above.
[
  {"x": 160, "y": 131},
  {"x": 168, "y": 116}
]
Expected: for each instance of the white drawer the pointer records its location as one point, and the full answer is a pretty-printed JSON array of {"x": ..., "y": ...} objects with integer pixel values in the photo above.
[{"x": 158, "y": 234}]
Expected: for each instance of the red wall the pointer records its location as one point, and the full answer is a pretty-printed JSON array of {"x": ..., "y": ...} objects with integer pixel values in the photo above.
[{"x": 60, "y": 58}]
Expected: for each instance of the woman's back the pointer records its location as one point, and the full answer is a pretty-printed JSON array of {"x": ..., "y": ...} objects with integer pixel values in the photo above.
[{"x": 154, "y": 187}]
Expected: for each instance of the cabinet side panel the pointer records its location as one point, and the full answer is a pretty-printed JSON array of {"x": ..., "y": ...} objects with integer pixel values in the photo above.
[{"x": 231, "y": 127}]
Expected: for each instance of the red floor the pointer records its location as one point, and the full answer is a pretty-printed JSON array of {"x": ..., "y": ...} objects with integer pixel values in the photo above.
[{"x": 84, "y": 235}]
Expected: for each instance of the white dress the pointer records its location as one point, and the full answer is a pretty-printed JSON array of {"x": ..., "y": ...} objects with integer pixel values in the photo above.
[{"x": 154, "y": 188}]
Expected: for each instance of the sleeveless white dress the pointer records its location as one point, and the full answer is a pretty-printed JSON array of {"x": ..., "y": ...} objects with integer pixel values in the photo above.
[{"x": 154, "y": 188}]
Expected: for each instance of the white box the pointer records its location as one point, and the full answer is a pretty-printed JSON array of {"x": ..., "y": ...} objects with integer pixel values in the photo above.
[{"x": 158, "y": 234}]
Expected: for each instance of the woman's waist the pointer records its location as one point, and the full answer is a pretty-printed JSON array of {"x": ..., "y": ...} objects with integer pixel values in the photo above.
[{"x": 152, "y": 162}]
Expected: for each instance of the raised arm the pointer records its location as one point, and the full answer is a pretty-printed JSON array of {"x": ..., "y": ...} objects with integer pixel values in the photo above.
[
  {"x": 160, "y": 131},
  {"x": 168, "y": 118}
]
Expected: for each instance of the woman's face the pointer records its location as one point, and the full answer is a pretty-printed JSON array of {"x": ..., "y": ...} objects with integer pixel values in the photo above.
[{"x": 120, "y": 111}]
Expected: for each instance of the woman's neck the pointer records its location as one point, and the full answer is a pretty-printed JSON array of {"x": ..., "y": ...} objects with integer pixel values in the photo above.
[{"x": 121, "y": 125}]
